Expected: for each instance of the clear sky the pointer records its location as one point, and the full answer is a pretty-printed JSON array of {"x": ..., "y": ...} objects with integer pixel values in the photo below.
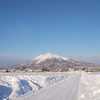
[{"x": 69, "y": 28}]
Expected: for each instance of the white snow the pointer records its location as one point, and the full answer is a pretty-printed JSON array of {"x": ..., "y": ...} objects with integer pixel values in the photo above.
[
  {"x": 50, "y": 86},
  {"x": 90, "y": 86},
  {"x": 42, "y": 58},
  {"x": 14, "y": 86}
]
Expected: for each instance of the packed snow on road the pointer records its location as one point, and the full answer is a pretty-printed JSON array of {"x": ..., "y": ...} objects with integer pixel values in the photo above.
[{"x": 50, "y": 86}]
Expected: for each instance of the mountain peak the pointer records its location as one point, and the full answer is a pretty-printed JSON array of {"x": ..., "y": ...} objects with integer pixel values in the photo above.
[
  {"x": 48, "y": 54},
  {"x": 42, "y": 58}
]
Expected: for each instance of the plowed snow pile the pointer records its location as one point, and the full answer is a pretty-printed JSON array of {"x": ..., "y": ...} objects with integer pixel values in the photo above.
[
  {"x": 90, "y": 86},
  {"x": 14, "y": 86},
  {"x": 50, "y": 86}
]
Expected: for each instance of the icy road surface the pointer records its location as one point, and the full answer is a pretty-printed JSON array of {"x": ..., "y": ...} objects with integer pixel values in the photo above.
[{"x": 67, "y": 90}]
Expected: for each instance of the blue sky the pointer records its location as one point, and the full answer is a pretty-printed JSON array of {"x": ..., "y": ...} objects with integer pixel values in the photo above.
[{"x": 69, "y": 28}]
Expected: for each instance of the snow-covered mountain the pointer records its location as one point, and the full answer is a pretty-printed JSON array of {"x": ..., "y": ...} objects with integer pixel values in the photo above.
[
  {"x": 43, "y": 58},
  {"x": 52, "y": 61}
]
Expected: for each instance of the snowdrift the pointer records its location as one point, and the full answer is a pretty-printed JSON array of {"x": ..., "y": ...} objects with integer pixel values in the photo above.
[{"x": 14, "y": 86}]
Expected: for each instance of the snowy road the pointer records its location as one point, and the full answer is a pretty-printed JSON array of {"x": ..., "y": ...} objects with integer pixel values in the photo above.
[
  {"x": 50, "y": 86},
  {"x": 67, "y": 90}
]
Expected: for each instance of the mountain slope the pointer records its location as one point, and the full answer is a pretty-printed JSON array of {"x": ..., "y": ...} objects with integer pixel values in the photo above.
[{"x": 52, "y": 61}]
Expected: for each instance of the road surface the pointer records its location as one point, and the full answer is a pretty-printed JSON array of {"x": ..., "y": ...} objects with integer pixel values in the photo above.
[{"x": 67, "y": 90}]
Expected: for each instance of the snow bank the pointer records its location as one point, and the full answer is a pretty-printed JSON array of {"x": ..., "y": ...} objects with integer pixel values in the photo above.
[
  {"x": 90, "y": 86},
  {"x": 14, "y": 86}
]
